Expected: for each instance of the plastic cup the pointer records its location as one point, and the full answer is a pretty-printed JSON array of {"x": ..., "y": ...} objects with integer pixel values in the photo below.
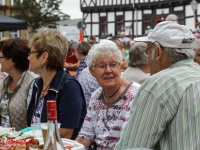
[{"x": 37, "y": 131}]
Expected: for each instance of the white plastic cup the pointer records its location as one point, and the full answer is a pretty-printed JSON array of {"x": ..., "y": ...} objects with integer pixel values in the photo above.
[{"x": 37, "y": 130}]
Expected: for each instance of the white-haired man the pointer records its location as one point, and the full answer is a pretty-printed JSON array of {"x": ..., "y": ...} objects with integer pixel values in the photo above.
[
  {"x": 123, "y": 37},
  {"x": 166, "y": 108},
  {"x": 172, "y": 17}
]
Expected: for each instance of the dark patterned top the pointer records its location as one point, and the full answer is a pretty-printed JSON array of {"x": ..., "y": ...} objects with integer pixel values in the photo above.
[{"x": 81, "y": 66}]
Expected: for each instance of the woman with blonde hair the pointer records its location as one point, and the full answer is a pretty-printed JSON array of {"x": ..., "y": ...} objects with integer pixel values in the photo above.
[{"x": 48, "y": 52}]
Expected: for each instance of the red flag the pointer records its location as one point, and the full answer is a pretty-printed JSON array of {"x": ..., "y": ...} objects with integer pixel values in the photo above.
[{"x": 80, "y": 35}]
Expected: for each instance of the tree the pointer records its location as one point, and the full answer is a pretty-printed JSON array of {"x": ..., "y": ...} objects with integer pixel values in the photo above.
[{"x": 38, "y": 13}]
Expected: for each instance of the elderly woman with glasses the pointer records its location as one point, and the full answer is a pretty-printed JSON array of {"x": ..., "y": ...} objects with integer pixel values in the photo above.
[
  {"x": 48, "y": 52},
  {"x": 109, "y": 106},
  {"x": 15, "y": 87}
]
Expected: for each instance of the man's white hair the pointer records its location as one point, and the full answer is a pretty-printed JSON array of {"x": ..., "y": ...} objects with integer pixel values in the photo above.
[{"x": 172, "y": 17}]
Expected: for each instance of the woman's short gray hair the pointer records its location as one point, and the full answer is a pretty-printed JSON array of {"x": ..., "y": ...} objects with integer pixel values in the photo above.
[
  {"x": 138, "y": 54},
  {"x": 104, "y": 48},
  {"x": 82, "y": 48}
]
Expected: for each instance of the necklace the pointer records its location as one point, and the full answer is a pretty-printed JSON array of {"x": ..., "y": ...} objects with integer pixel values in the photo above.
[
  {"x": 108, "y": 97},
  {"x": 43, "y": 92}
]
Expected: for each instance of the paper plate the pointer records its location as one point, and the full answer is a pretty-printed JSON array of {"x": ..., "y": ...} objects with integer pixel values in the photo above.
[
  {"x": 67, "y": 142},
  {"x": 5, "y": 130}
]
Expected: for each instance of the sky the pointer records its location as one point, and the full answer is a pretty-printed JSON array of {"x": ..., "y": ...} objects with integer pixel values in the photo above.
[{"x": 72, "y": 8}]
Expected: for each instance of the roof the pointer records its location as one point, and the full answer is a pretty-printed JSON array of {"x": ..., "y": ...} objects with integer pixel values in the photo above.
[
  {"x": 72, "y": 22},
  {"x": 9, "y": 23}
]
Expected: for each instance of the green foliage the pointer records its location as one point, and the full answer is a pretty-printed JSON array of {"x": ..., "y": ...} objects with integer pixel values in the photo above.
[{"x": 38, "y": 13}]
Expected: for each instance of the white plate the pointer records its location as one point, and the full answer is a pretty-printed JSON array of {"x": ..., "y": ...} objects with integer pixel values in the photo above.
[
  {"x": 67, "y": 142},
  {"x": 5, "y": 130},
  {"x": 29, "y": 133}
]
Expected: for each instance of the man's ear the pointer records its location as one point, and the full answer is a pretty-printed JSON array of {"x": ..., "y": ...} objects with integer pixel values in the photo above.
[{"x": 159, "y": 53}]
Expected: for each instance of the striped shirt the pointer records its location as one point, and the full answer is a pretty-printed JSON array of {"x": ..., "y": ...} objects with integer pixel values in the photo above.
[{"x": 165, "y": 114}]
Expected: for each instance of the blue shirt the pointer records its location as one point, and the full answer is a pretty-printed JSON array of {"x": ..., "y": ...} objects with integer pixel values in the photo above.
[
  {"x": 71, "y": 106},
  {"x": 88, "y": 83}
]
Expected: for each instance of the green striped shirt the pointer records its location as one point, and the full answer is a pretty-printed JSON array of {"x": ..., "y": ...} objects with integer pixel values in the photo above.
[{"x": 165, "y": 114}]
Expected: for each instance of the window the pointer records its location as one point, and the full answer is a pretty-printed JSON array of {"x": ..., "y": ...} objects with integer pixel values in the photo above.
[
  {"x": 14, "y": 33},
  {"x": 147, "y": 24},
  {"x": 181, "y": 17},
  {"x": 103, "y": 26},
  {"x": 120, "y": 24},
  {"x": 2, "y": 2}
]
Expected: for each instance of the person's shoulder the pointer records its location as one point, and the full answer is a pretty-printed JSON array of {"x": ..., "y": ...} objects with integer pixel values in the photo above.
[
  {"x": 97, "y": 93},
  {"x": 70, "y": 81},
  {"x": 136, "y": 85},
  {"x": 31, "y": 74},
  {"x": 85, "y": 72}
]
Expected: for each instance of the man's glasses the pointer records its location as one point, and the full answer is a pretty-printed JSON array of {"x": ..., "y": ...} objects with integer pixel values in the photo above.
[{"x": 104, "y": 66}]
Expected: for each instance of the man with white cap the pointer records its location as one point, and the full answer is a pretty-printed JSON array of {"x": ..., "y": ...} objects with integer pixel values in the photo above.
[{"x": 165, "y": 114}]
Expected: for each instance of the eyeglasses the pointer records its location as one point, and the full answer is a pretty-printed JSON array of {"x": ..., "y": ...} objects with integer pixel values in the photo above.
[
  {"x": 32, "y": 52},
  {"x": 104, "y": 66}
]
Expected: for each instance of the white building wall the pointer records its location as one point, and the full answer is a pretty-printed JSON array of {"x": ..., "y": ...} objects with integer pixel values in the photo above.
[
  {"x": 88, "y": 19},
  {"x": 138, "y": 15},
  {"x": 147, "y": 11},
  {"x": 198, "y": 9},
  {"x": 87, "y": 29},
  {"x": 128, "y": 15},
  {"x": 102, "y": 14},
  {"x": 137, "y": 28},
  {"x": 111, "y": 16},
  {"x": 162, "y": 11},
  {"x": 70, "y": 32},
  {"x": 189, "y": 22},
  {"x": 119, "y": 13},
  {"x": 95, "y": 17},
  {"x": 179, "y": 8},
  {"x": 95, "y": 29},
  {"x": 111, "y": 28},
  {"x": 188, "y": 11}
]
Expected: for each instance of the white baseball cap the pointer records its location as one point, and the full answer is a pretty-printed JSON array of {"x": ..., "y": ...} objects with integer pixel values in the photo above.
[{"x": 170, "y": 34}]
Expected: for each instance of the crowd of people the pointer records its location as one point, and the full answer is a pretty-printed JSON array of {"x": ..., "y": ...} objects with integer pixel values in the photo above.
[{"x": 148, "y": 98}]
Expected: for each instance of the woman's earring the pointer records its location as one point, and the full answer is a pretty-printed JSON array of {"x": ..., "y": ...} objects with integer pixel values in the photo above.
[{"x": 42, "y": 65}]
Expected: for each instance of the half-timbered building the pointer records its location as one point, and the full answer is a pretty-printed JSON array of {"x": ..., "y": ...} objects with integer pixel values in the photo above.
[{"x": 134, "y": 17}]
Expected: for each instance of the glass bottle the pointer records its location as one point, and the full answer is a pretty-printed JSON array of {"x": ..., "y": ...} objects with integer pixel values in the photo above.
[{"x": 53, "y": 140}]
